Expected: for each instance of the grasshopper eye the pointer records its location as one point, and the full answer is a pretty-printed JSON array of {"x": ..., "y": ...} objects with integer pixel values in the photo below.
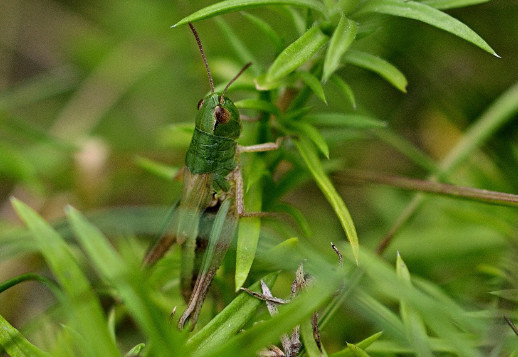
[
  {"x": 200, "y": 103},
  {"x": 222, "y": 115}
]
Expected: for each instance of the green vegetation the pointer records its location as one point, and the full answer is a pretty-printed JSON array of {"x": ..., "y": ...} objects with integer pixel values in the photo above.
[{"x": 97, "y": 108}]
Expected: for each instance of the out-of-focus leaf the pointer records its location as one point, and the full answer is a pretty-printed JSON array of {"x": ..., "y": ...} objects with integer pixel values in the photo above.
[
  {"x": 297, "y": 215},
  {"x": 88, "y": 316},
  {"x": 313, "y": 83},
  {"x": 427, "y": 14},
  {"x": 311, "y": 133},
  {"x": 379, "y": 66},
  {"x": 342, "y": 38},
  {"x": 296, "y": 54},
  {"x": 258, "y": 104},
  {"x": 357, "y": 351},
  {"x": 266, "y": 29},
  {"x": 227, "y": 6},
  {"x": 355, "y": 121},
  {"x": 130, "y": 285},
  {"x": 416, "y": 329},
  {"x": 156, "y": 168},
  {"x": 344, "y": 88},
  {"x": 15, "y": 344},
  {"x": 508, "y": 294},
  {"x": 310, "y": 345},
  {"x": 451, "y": 4},
  {"x": 313, "y": 164}
]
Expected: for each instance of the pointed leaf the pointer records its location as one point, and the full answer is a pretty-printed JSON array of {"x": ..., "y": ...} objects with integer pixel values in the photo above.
[
  {"x": 347, "y": 352},
  {"x": 296, "y": 54},
  {"x": 379, "y": 66},
  {"x": 15, "y": 344},
  {"x": 355, "y": 121},
  {"x": 311, "y": 133},
  {"x": 313, "y": 83},
  {"x": 227, "y": 6},
  {"x": 344, "y": 88},
  {"x": 157, "y": 168},
  {"x": 313, "y": 164},
  {"x": 266, "y": 29},
  {"x": 342, "y": 38},
  {"x": 451, "y": 4},
  {"x": 427, "y": 14},
  {"x": 87, "y": 313}
]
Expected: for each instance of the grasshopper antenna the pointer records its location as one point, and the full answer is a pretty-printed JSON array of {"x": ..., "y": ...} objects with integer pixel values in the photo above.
[
  {"x": 233, "y": 80},
  {"x": 205, "y": 58}
]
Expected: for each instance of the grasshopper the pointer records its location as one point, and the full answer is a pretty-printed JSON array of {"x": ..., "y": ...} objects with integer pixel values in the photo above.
[{"x": 212, "y": 193}]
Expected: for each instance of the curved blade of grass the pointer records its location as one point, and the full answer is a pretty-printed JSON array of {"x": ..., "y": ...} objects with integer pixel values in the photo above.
[
  {"x": 451, "y": 4},
  {"x": 344, "y": 88},
  {"x": 87, "y": 315},
  {"x": 30, "y": 277},
  {"x": 363, "y": 344},
  {"x": 297, "y": 216},
  {"x": 130, "y": 285},
  {"x": 379, "y": 66},
  {"x": 427, "y": 14},
  {"x": 241, "y": 52},
  {"x": 416, "y": 329},
  {"x": 229, "y": 321},
  {"x": 312, "y": 134},
  {"x": 309, "y": 156},
  {"x": 15, "y": 344},
  {"x": 342, "y": 38},
  {"x": 224, "y": 7},
  {"x": 249, "y": 227},
  {"x": 313, "y": 83},
  {"x": 267, "y": 30},
  {"x": 355, "y": 121},
  {"x": 258, "y": 104},
  {"x": 296, "y": 54}
]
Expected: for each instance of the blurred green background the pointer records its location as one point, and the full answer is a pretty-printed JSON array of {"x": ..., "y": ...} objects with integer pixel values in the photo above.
[{"x": 87, "y": 87}]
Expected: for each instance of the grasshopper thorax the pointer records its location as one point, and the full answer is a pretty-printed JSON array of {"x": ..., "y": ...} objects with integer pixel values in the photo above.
[{"x": 218, "y": 116}]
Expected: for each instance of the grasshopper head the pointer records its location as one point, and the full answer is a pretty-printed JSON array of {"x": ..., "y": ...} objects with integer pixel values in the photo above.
[{"x": 219, "y": 116}]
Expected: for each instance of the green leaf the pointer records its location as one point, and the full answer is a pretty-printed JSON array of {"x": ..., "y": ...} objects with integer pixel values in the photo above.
[
  {"x": 136, "y": 351},
  {"x": 156, "y": 168},
  {"x": 15, "y": 344},
  {"x": 342, "y": 38},
  {"x": 310, "y": 345},
  {"x": 355, "y": 121},
  {"x": 357, "y": 351},
  {"x": 451, "y": 4},
  {"x": 344, "y": 88},
  {"x": 249, "y": 227},
  {"x": 267, "y": 30},
  {"x": 224, "y": 7},
  {"x": 427, "y": 14},
  {"x": 296, "y": 54},
  {"x": 305, "y": 129},
  {"x": 379, "y": 66},
  {"x": 30, "y": 277},
  {"x": 258, "y": 104},
  {"x": 230, "y": 321},
  {"x": 347, "y": 352},
  {"x": 130, "y": 284},
  {"x": 313, "y": 164},
  {"x": 88, "y": 317},
  {"x": 416, "y": 329},
  {"x": 296, "y": 214},
  {"x": 313, "y": 83}
]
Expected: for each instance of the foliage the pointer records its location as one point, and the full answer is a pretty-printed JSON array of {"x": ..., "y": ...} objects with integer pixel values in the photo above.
[{"x": 124, "y": 81}]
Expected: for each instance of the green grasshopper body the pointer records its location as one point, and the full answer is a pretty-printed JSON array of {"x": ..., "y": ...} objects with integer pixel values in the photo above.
[{"x": 212, "y": 197}]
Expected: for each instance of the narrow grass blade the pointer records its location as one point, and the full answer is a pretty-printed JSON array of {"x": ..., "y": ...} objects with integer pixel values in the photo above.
[
  {"x": 308, "y": 130},
  {"x": 313, "y": 83},
  {"x": 451, "y": 4},
  {"x": 379, "y": 66},
  {"x": 342, "y": 38},
  {"x": 363, "y": 344},
  {"x": 258, "y": 104},
  {"x": 156, "y": 168},
  {"x": 354, "y": 121},
  {"x": 314, "y": 166},
  {"x": 267, "y": 30},
  {"x": 15, "y": 344},
  {"x": 30, "y": 277},
  {"x": 224, "y": 7},
  {"x": 296, "y": 54},
  {"x": 130, "y": 284},
  {"x": 416, "y": 329},
  {"x": 427, "y": 14},
  {"x": 229, "y": 321},
  {"x": 344, "y": 88},
  {"x": 87, "y": 315}
]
